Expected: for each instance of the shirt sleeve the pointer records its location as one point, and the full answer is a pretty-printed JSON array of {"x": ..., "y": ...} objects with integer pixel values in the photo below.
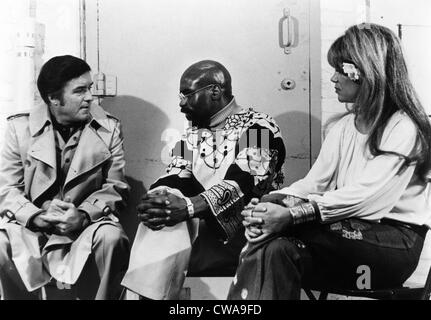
[
  {"x": 322, "y": 175},
  {"x": 381, "y": 184},
  {"x": 13, "y": 201},
  {"x": 179, "y": 173},
  {"x": 256, "y": 171}
]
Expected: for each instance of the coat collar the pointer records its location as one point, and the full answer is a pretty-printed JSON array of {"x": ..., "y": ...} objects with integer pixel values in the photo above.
[
  {"x": 91, "y": 151},
  {"x": 99, "y": 116},
  {"x": 40, "y": 117}
]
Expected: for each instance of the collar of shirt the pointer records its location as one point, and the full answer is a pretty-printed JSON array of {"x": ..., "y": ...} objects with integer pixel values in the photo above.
[
  {"x": 217, "y": 121},
  {"x": 66, "y": 132}
]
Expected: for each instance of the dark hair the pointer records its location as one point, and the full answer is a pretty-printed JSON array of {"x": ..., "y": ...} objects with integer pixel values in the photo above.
[
  {"x": 208, "y": 72},
  {"x": 56, "y": 72},
  {"x": 385, "y": 87}
]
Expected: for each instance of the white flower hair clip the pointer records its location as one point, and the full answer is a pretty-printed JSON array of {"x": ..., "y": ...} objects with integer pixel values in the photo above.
[{"x": 351, "y": 71}]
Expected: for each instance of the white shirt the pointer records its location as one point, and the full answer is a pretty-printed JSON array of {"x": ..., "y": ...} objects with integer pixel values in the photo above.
[{"x": 346, "y": 181}]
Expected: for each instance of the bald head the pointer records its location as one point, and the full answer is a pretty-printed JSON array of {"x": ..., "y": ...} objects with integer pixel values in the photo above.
[{"x": 208, "y": 72}]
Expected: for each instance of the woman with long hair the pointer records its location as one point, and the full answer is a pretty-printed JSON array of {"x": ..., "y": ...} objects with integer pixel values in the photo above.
[{"x": 359, "y": 218}]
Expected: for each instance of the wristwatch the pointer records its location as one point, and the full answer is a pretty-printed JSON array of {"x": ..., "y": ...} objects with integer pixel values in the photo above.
[{"x": 190, "y": 207}]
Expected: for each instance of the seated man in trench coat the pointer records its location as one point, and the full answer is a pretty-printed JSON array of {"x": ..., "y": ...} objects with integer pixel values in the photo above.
[{"x": 62, "y": 184}]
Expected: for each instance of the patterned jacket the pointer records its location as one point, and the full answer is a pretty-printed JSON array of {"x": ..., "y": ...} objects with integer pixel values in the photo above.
[{"x": 240, "y": 160}]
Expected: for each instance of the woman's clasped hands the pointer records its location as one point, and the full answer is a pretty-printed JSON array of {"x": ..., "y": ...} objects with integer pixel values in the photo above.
[{"x": 265, "y": 217}]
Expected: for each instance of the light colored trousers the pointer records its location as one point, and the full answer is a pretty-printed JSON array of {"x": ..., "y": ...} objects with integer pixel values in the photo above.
[
  {"x": 159, "y": 261},
  {"x": 99, "y": 279}
]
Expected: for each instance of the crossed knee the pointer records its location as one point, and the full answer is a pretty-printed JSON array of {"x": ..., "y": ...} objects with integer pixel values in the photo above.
[
  {"x": 281, "y": 248},
  {"x": 109, "y": 235}
]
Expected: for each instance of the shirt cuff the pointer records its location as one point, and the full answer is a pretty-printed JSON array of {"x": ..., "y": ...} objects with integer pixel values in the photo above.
[
  {"x": 226, "y": 203},
  {"x": 25, "y": 212},
  {"x": 95, "y": 213}
]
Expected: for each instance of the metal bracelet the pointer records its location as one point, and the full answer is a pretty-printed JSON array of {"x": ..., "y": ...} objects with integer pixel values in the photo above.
[
  {"x": 190, "y": 207},
  {"x": 303, "y": 213}
]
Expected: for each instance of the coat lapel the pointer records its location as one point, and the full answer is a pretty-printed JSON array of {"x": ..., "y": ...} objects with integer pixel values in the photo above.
[
  {"x": 42, "y": 149},
  {"x": 92, "y": 149}
]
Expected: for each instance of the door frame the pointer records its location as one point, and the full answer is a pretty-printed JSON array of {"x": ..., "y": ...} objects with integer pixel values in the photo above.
[{"x": 315, "y": 79}]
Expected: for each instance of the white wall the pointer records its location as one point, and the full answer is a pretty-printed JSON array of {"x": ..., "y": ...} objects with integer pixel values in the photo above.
[
  {"x": 415, "y": 18},
  {"x": 336, "y": 17},
  {"x": 415, "y": 15},
  {"x": 13, "y": 14},
  {"x": 31, "y": 32},
  {"x": 61, "y": 20}
]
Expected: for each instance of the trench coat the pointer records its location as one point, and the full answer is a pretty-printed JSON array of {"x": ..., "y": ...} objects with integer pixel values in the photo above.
[{"x": 95, "y": 183}]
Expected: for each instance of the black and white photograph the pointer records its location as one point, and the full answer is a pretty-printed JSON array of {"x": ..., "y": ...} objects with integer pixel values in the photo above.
[{"x": 217, "y": 154}]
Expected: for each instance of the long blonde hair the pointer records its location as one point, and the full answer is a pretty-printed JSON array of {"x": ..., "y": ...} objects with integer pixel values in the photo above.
[{"x": 385, "y": 87}]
